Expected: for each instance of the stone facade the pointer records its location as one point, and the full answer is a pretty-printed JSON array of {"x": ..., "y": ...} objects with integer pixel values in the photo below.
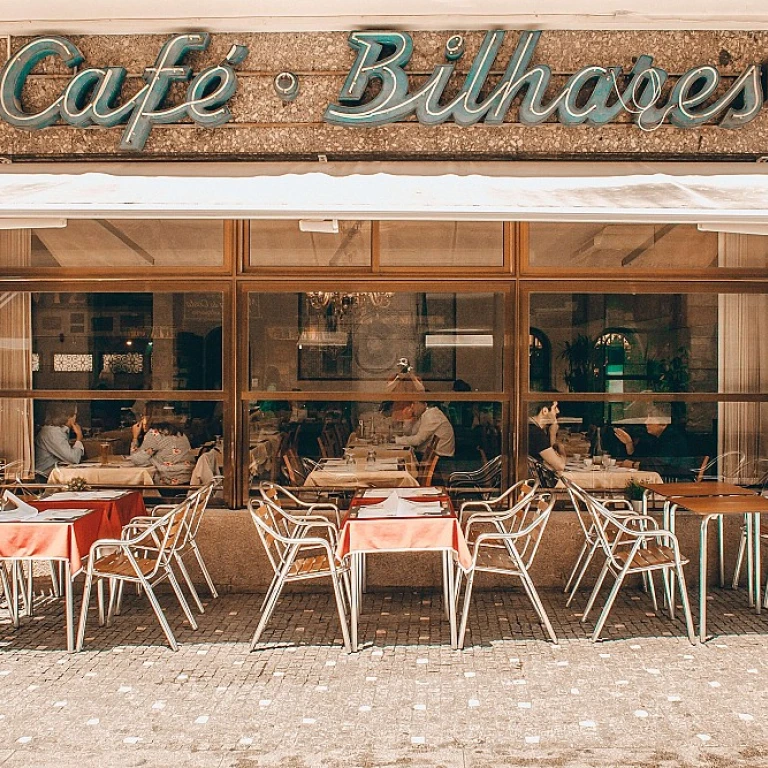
[{"x": 264, "y": 127}]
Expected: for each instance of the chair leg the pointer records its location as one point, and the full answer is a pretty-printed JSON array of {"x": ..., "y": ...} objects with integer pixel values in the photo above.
[
  {"x": 268, "y": 609},
  {"x": 576, "y": 566},
  {"x": 12, "y": 607},
  {"x": 584, "y": 565},
  {"x": 608, "y": 604},
  {"x": 160, "y": 615},
  {"x": 119, "y": 598},
  {"x": 533, "y": 595},
  {"x": 739, "y": 561},
  {"x": 595, "y": 592},
  {"x": 465, "y": 610},
  {"x": 686, "y": 604},
  {"x": 84, "y": 610},
  {"x": 180, "y": 596},
  {"x": 55, "y": 573},
  {"x": 188, "y": 580},
  {"x": 204, "y": 569},
  {"x": 342, "y": 613},
  {"x": 100, "y": 599}
]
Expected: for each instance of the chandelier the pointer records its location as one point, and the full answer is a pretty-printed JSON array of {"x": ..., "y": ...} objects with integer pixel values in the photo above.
[{"x": 343, "y": 302}]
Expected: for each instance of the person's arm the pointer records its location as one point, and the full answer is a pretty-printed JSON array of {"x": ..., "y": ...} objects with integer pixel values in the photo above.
[
  {"x": 427, "y": 425},
  {"x": 553, "y": 459},
  {"x": 141, "y": 455},
  {"x": 626, "y": 439}
]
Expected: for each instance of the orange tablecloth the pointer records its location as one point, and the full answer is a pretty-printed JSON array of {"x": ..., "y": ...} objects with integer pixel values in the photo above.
[
  {"x": 115, "y": 512},
  {"x": 50, "y": 539},
  {"x": 403, "y": 534}
]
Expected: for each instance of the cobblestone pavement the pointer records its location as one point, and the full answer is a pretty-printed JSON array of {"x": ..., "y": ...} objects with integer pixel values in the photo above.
[{"x": 645, "y": 697}]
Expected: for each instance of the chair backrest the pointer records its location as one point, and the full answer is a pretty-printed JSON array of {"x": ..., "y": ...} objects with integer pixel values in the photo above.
[
  {"x": 429, "y": 449},
  {"x": 199, "y": 504},
  {"x": 263, "y": 515},
  {"x": 293, "y": 467},
  {"x": 427, "y": 469},
  {"x": 529, "y": 523},
  {"x": 725, "y": 467},
  {"x": 576, "y": 495},
  {"x": 277, "y": 458},
  {"x": 488, "y": 476},
  {"x": 702, "y": 469}
]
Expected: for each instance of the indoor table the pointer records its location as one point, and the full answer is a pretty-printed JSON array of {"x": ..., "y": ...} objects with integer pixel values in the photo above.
[
  {"x": 382, "y": 473},
  {"x": 119, "y": 471}
]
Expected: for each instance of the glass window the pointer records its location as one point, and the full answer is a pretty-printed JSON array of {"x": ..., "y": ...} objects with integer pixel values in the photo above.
[
  {"x": 289, "y": 437},
  {"x": 354, "y": 341},
  {"x": 286, "y": 244},
  {"x": 441, "y": 243},
  {"x": 671, "y": 438},
  {"x": 632, "y": 246},
  {"x": 695, "y": 342},
  {"x": 137, "y": 244},
  {"x": 115, "y": 340}
]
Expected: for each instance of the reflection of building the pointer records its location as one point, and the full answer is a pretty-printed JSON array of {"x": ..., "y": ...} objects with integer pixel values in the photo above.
[{"x": 217, "y": 276}]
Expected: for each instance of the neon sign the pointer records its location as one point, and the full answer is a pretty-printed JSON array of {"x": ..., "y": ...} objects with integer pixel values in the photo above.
[
  {"x": 92, "y": 96},
  {"x": 594, "y": 95}
]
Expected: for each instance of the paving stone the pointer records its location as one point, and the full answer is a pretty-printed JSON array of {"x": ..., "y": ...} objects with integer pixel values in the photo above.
[{"x": 643, "y": 697}]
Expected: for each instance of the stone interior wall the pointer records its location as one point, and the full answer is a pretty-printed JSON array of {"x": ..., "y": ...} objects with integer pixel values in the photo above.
[{"x": 266, "y": 128}]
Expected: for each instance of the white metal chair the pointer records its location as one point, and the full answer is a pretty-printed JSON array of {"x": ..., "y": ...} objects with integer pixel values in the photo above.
[
  {"x": 508, "y": 548},
  {"x": 507, "y": 500},
  {"x": 754, "y": 474},
  {"x": 142, "y": 556},
  {"x": 621, "y": 508},
  {"x": 487, "y": 476},
  {"x": 307, "y": 552},
  {"x": 634, "y": 545},
  {"x": 292, "y": 504}
]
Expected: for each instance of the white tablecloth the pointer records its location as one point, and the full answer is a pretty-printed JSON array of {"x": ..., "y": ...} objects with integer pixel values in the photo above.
[
  {"x": 613, "y": 479},
  {"x": 115, "y": 473}
]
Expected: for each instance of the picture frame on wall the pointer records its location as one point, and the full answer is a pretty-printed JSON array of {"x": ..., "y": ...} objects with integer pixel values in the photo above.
[{"x": 365, "y": 342}]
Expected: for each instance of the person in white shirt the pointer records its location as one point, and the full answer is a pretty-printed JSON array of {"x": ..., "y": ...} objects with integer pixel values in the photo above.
[
  {"x": 429, "y": 421},
  {"x": 52, "y": 441}
]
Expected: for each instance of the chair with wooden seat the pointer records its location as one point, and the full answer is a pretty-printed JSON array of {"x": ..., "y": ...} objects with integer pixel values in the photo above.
[
  {"x": 298, "y": 549},
  {"x": 297, "y": 507},
  {"x": 508, "y": 545},
  {"x": 293, "y": 468},
  {"x": 634, "y": 545},
  {"x": 142, "y": 556}
]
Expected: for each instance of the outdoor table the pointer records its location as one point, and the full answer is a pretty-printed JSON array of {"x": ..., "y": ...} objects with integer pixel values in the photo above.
[
  {"x": 417, "y": 533},
  {"x": 599, "y": 478},
  {"x": 119, "y": 471},
  {"x": 692, "y": 489},
  {"x": 385, "y": 473},
  {"x": 724, "y": 499},
  {"x": 64, "y": 531}
]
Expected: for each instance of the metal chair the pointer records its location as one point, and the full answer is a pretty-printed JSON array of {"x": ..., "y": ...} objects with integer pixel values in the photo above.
[
  {"x": 754, "y": 474},
  {"x": 509, "y": 548},
  {"x": 295, "y": 506},
  {"x": 142, "y": 556},
  {"x": 634, "y": 545},
  {"x": 198, "y": 504},
  {"x": 621, "y": 508},
  {"x": 298, "y": 555},
  {"x": 507, "y": 500},
  {"x": 487, "y": 476}
]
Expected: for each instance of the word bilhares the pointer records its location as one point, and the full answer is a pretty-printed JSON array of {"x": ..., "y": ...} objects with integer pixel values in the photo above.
[
  {"x": 92, "y": 96},
  {"x": 594, "y": 95}
]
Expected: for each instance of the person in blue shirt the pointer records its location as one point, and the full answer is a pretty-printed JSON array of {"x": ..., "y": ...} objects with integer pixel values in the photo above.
[{"x": 52, "y": 443}]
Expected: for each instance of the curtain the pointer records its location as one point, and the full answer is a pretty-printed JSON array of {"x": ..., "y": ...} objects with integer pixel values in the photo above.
[
  {"x": 16, "y": 414},
  {"x": 743, "y": 352}
]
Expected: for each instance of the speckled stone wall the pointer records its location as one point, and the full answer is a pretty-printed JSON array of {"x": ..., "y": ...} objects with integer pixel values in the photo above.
[{"x": 265, "y": 128}]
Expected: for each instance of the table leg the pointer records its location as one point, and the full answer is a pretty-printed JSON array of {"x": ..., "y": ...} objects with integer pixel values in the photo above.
[
  {"x": 721, "y": 550},
  {"x": 446, "y": 597},
  {"x": 70, "y": 608},
  {"x": 758, "y": 571},
  {"x": 750, "y": 561},
  {"x": 15, "y": 592},
  {"x": 354, "y": 599},
  {"x": 668, "y": 521},
  {"x": 450, "y": 587},
  {"x": 703, "y": 577}
]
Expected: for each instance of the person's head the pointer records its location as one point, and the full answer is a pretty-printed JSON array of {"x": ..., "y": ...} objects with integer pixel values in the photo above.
[
  {"x": 545, "y": 411},
  {"x": 60, "y": 414},
  {"x": 656, "y": 422},
  {"x": 417, "y": 408},
  {"x": 165, "y": 428}
]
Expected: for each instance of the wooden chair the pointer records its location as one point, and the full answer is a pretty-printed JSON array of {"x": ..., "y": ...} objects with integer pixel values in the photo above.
[
  {"x": 293, "y": 468},
  {"x": 427, "y": 470}
]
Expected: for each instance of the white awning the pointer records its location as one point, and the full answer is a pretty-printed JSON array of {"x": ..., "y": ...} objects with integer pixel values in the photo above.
[
  {"x": 164, "y": 17},
  {"x": 726, "y": 193}
]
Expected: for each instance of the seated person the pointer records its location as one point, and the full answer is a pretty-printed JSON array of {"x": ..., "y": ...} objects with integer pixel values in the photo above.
[
  {"x": 164, "y": 447},
  {"x": 52, "y": 441},
  {"x": 664, "y": 449},
  {"x": 428, "y": 421},
  {"x": 542, "y": 432}
]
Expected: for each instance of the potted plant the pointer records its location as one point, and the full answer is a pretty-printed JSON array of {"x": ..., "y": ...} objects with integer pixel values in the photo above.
[{"x": 634, "y": 492}]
